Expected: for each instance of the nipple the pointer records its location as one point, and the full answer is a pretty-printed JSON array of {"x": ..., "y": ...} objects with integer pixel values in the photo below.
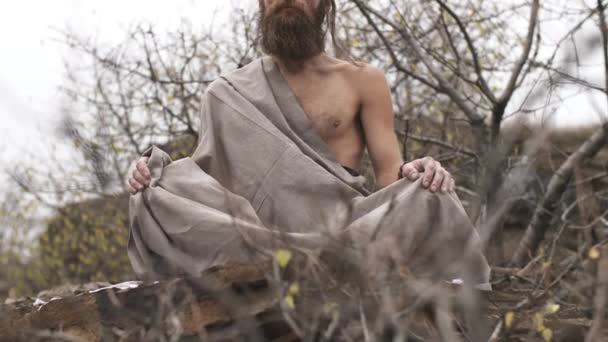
[{"x": 336, "y": 123}]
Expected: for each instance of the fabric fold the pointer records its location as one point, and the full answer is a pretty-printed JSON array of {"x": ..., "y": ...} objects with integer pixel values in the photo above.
[{"x": 261, "y": 177}]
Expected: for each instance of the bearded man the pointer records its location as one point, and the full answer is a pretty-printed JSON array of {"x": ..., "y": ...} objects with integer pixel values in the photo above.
[{"x": 280, "y": 143}]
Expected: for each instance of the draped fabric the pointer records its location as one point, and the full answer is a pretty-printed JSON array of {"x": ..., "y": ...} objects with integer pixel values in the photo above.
[{"x": 262, "y": 177}]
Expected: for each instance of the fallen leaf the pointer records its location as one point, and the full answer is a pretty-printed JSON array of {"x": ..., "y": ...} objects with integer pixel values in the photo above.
[
  {"x": 551, "y": 308},
  {"x": 537, "y": 320},
  {"x": 293, "y": 289},
  {"x": 594, "y": 252},
  {"x": 509, "y": 316}
]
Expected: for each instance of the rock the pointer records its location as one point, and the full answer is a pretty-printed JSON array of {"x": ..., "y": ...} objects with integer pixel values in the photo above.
[{"x": 219, "y": 300}]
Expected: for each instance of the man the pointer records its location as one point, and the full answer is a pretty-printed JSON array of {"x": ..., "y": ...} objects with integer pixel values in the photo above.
[
  {"x": 279, "y": 144},
  {"x": 350, "y": 105}
]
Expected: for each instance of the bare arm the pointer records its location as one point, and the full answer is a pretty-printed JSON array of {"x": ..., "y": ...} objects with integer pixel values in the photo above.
[
  {"x": 378, "y": 125},
  {"x": 381, "y": 140}
]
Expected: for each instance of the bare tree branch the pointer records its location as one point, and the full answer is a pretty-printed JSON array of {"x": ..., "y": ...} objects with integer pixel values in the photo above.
[
  {"x": 501, "y": 104},
  {"x": 604, "y": 32},
  {"x": 444, "y": 85},
  {"x": 481, "y": 81},
  {"x": 532, "y": 23},
  {"x": 596, "y": 332},
  {"x": 540, "y": 220}
]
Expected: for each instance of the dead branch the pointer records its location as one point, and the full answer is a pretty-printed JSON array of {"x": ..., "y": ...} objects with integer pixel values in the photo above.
[
  {"x": 601, "y": 295},
  {"x": 532, "y": 23},
  {"x": 604, "y": 31},
  {"x": 392, "y": 53},
  {"x": 601, "y": 298},
  {"x": 557, "y": 185},
  {"x": 481, "y": 81},
  {"x": 458, "y": 149},
  {"x": 443, "y": 84}
]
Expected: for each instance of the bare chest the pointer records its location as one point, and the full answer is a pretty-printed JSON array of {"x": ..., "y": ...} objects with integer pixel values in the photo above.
[{"x": 331, "y": 105}]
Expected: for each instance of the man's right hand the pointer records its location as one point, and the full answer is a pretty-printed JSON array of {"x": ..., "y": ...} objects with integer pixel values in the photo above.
[{"x": 140, "y": 177}]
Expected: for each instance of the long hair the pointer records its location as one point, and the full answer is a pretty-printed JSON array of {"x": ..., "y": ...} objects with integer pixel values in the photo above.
[{"x": 327, "y": 10}]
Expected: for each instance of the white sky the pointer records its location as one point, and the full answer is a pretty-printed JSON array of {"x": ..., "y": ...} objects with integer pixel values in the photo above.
[
  {"x": 31, "y": 68},
  {"x": 573, "y": 106}
]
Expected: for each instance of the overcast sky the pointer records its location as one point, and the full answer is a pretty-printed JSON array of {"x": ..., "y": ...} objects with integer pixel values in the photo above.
[{"x": 31, "y": 67}]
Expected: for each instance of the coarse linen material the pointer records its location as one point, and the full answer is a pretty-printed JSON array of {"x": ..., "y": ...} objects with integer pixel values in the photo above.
[{"x": 262, "y": 178}]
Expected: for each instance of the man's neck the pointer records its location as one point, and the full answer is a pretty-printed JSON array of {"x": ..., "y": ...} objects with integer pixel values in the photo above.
[{"x": 297, "y": 66}]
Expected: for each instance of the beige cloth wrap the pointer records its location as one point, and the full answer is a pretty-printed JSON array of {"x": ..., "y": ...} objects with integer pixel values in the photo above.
[{"x": 261, "y": 177}]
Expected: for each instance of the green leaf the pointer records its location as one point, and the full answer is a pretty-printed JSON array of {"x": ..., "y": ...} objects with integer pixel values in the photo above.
[
  {"x": 283, "y": 256},
  {"x": 290, "y": 302}
]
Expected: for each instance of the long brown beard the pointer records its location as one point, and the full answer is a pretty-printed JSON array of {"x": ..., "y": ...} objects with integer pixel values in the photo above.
[{"x": 291, "y": 36}]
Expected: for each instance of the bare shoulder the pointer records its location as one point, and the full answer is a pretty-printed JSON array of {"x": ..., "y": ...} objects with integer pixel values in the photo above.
[
  {"x": 357, "y": 69},
  {"x": 364, "y": 75},
  {"x": 368, "y": 81}
]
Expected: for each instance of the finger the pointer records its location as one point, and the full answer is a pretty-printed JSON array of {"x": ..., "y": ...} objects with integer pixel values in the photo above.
[
  {"x": 421, "y": 163},
  {"x": 447, "y": 182},
  {"x": 131, "y": 190},
  {"x": 438, "y": 179},
  {"x": 142, "y": 167},
  {"x": 453, "y": 185},
  {"x": 429, "y": 173},
  {"x": 139, "y": 177},
  {"x": 135, "y": 184},
  {"x": 409, "y": 171}
]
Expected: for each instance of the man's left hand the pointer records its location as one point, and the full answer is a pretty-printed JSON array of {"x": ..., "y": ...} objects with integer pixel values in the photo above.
[{"x": 435, "y": 177}]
